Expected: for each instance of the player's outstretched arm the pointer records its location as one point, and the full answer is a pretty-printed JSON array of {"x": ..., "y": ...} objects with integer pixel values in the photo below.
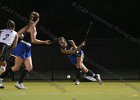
[
  {"x": 32, "y": 30},
  {"x": 72, "y": 51},
  {"x": 79, "y": 47}
]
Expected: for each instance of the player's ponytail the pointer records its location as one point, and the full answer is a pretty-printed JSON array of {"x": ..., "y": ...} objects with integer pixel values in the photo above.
[
  {"x": 11, "y": 25},
  {"x": 34, "y": 16}
]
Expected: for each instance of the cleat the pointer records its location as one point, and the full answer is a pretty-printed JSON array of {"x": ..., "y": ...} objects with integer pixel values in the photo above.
[
  {"x": 98, "y": 78},
  {"x": 20, "y": 86},
  {"x": 77, "y": 82},
  {"x": 90, "y": 78}
]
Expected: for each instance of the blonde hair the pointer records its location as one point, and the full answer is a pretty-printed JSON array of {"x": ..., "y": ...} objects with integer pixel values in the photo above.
[
  {"x": 34, "y": 16},
  {"x": 61, "y": 38}
]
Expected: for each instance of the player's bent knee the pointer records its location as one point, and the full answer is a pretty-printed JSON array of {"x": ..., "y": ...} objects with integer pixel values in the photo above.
[
  {"x": 15, "y": 68},
  {"x": 85, "y": 70}
]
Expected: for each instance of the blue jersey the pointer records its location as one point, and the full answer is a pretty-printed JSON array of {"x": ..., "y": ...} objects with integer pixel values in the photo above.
[{"x": 73, "y": 57}]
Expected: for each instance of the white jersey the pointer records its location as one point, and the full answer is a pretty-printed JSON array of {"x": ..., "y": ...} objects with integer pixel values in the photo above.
[{"x": 7, "y": 36}]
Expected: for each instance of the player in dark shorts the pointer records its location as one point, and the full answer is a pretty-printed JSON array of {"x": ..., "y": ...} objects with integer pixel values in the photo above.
[
  {"x": 8, "y": 41},
  {"x": 23, "y": 49},
  {"x": 76, "y": 56}
]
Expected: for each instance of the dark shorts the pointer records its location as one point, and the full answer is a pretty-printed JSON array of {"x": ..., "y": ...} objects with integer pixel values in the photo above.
[
  {"x": 22, "y": 50},
  {"x": 3, "y": 51},
  {"x": 73, "y": 58}
]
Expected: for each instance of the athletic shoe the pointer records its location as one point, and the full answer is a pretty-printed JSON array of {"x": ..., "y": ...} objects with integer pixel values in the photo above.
[
  {"x": 1, "y": 84},
  {"x": 77, "y": 82},
  {"x": 20, "y": 86},
  {"x": 98, "y": 78},
  {"x": 90, "y": 78}
]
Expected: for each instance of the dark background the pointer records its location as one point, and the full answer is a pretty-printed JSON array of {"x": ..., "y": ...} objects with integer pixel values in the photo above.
[{"x": 116, "y": 53}]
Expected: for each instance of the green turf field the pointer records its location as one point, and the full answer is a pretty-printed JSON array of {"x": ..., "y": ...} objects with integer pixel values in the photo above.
[{"x": 69, "y": 91}]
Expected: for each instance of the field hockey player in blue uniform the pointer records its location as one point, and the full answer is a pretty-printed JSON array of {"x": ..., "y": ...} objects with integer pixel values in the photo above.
[{"x": 76, "y": 56}]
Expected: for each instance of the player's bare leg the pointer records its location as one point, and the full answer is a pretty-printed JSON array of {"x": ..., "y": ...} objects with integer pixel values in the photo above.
[{"x": 28, "y": 68}]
